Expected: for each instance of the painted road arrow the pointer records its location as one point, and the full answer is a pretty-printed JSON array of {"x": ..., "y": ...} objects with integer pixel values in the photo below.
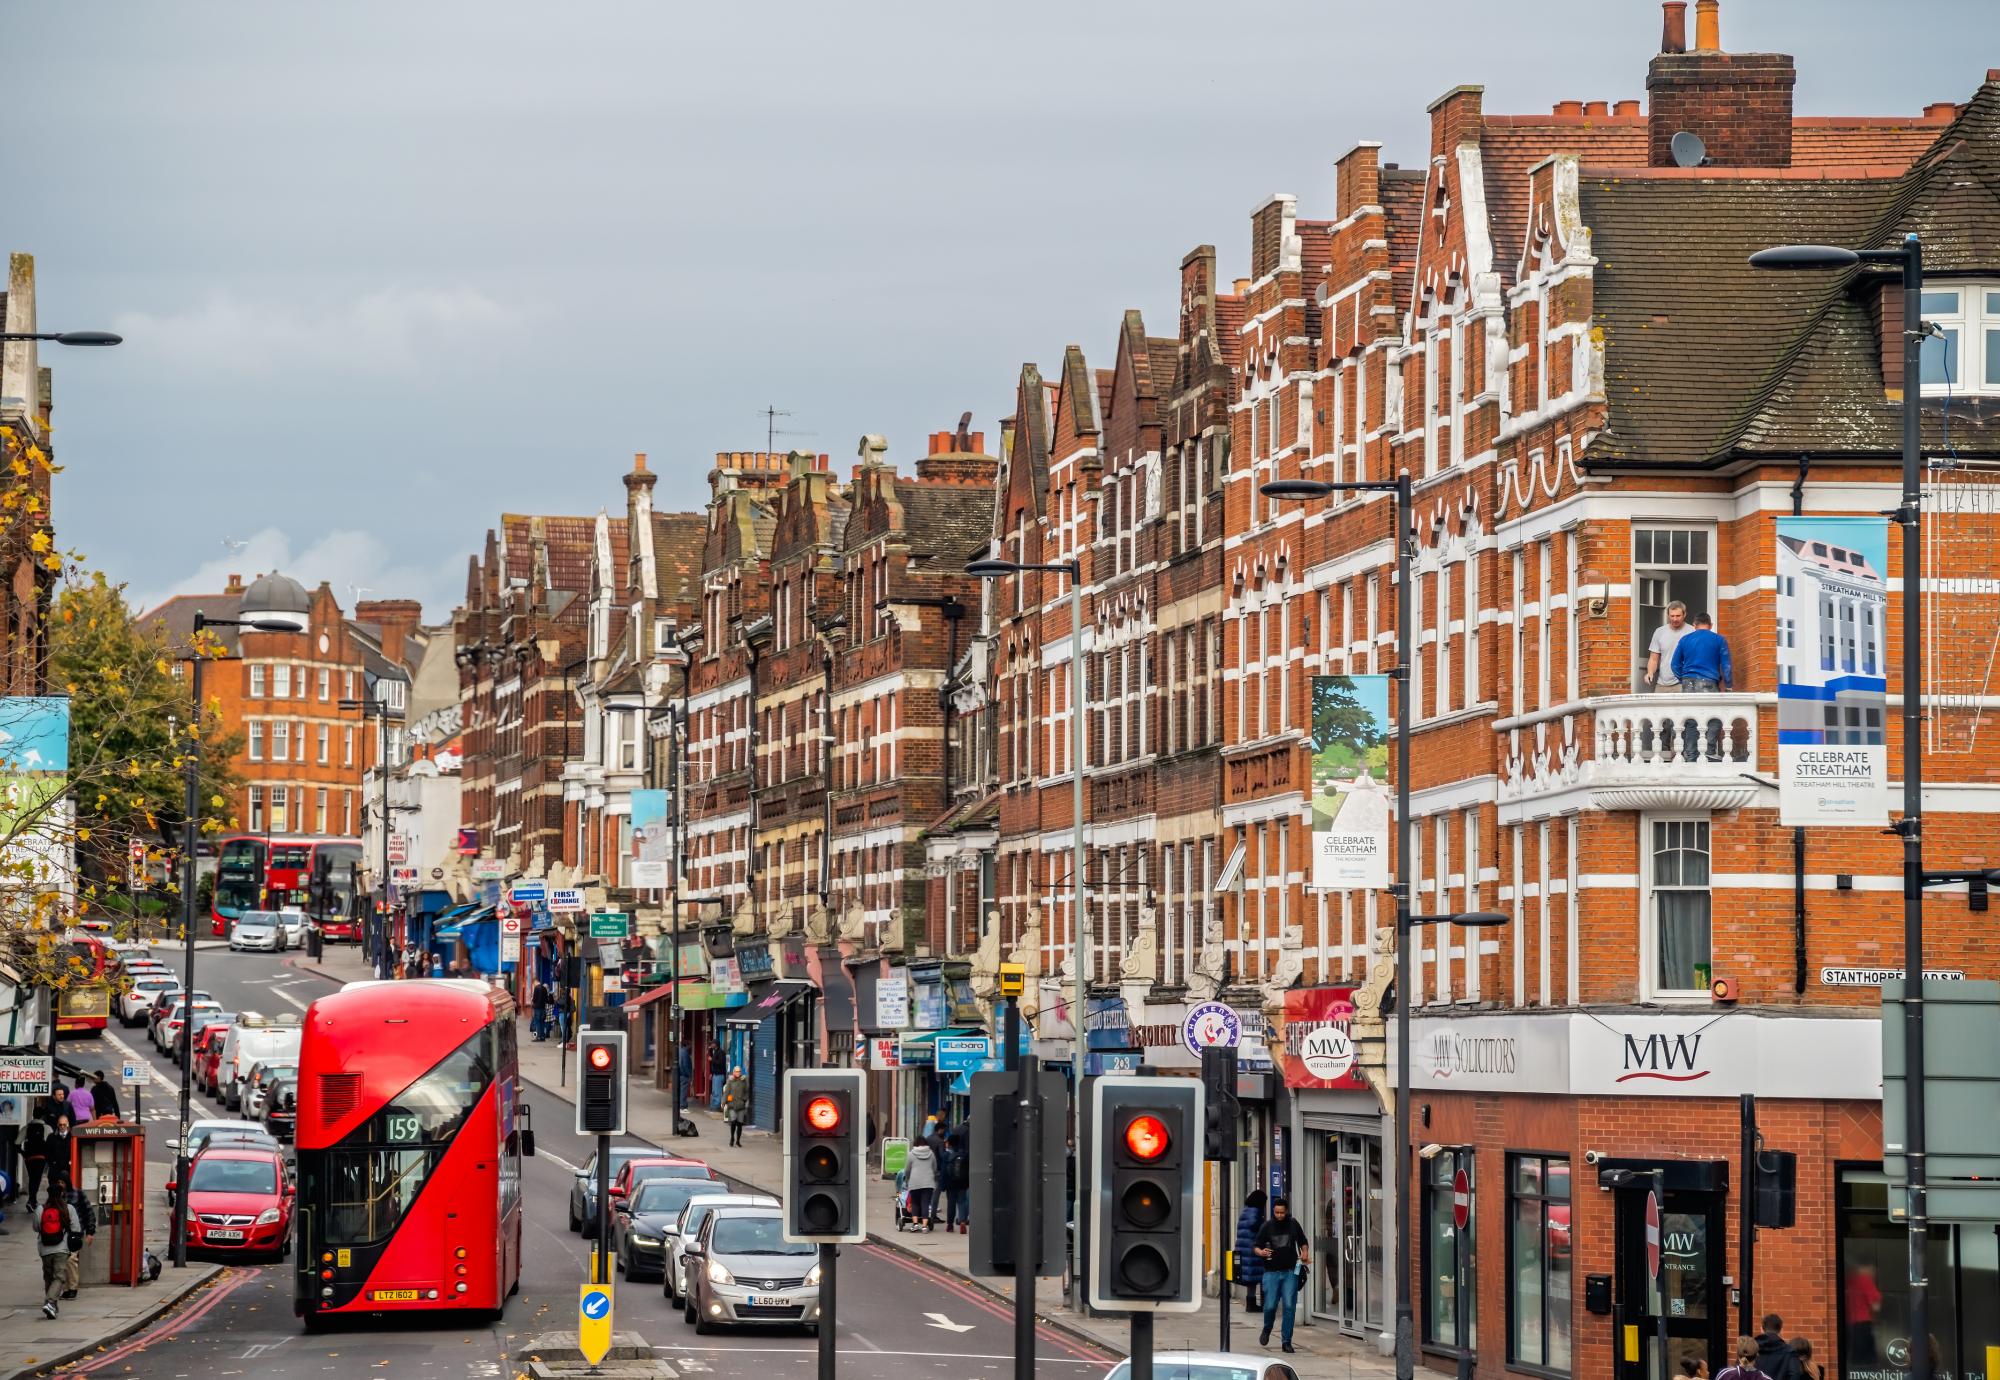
[{"x": 940, "y": 1320}]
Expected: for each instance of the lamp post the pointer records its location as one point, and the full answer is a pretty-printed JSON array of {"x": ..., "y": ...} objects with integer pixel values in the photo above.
[
  {"x": 72, "y": 338},
  {"x": 379, "y": 945},
  {"x": 994, "y": 569},
  {"x": 677, "y": 737},
  {"x": 192, "y": 827}
]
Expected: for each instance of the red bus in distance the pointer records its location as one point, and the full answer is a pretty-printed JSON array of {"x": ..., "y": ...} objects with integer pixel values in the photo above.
[
  {"x": 256, "y": 872},
  {"x": 85, "y": 1008},
  {"x": 410, "y": 1137}
]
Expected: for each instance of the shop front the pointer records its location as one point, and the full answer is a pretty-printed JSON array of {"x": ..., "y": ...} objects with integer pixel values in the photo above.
[
  {"x": 775, "y": 1030},
  {"x": 1338, "y": 1176}
]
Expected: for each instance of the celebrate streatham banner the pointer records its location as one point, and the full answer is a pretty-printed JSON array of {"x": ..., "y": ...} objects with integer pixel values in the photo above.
[
  {"x": 1350, "y": 782},
  {"x": 1832, "y": 644}
]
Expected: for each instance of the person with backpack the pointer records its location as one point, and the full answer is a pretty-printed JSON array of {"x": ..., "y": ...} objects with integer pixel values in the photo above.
[
  {"x": 58, "y": 1226},
  {"x": 923, "y": 1171},
  {"x": 957, "y": 1175},
  {"x": 86, "y": 1216},
  {"x": 105, "y": 1096},
  {"x": 1775, "y": 1358}
]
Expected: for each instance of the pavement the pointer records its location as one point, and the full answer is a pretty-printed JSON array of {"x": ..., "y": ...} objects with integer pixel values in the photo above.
[{"x": 1322, "y": 1353}]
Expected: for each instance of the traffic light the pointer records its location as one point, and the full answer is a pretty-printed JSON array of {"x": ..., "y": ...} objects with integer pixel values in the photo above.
[
  {"x": 1221, "y": 1112},
  {"x": 1775, "y": 1202},
  {"x": 825, "y": 1149},
  {"x": 600, "y": 1083},
  {"x": 992, "y": 1172},
  {"x": 1145, "y": 1187}
]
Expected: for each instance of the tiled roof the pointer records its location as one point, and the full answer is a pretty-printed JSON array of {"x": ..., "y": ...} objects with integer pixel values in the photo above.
[
  {"x": 1859, "y": 143},
  {"x": 945, "y": 523},
  {"x": 1510, "y": 146},
  {"x": 1402, "y": 193},
  {"x": 178, "y": 615},
  {"x": 677, "y": 543}
]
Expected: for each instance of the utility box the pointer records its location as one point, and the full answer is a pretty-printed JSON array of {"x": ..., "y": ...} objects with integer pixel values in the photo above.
[
  {"x": 110, "y": 1170},
  {"x": 1961, "y": 1078}
]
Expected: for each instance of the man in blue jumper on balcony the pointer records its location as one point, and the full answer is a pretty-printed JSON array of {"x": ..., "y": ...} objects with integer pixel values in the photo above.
[{"x": 1701, "y": 664}]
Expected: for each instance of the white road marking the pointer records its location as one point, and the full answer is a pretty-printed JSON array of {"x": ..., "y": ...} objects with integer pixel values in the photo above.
[
  {"x": 282, "y": 995},
  {"x": 940, "y": 1320},
  {"x": 202, "y": 1110},
  {"x": 931, "y": 1355},
  {"x": 542, "y": 1154}
]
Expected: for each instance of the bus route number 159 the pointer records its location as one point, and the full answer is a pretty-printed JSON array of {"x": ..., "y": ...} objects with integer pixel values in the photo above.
[{"x": 404, "y": 1128}]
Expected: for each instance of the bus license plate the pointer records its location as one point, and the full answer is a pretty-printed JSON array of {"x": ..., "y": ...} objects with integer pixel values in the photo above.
[
  {"x": 396, "y": 1295},
  {"x": 219, "y": 1235}
]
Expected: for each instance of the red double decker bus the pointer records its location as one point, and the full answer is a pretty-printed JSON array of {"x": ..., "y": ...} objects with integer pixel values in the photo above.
[
  {"x": 85, "y": 1008},
  {"x": 410, "y": 1139},
  {"x": 253, "y": 872}
]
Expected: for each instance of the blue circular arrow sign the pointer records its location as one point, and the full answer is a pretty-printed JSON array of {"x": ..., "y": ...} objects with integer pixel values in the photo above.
[{"x": 596, "y": 1304}]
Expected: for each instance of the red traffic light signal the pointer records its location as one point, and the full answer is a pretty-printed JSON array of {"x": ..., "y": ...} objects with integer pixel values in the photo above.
[
  {"x": 823, "y": 1115},
  {"x": 600, "y": 1057},
  {"x": 1146, "y": 1137}
]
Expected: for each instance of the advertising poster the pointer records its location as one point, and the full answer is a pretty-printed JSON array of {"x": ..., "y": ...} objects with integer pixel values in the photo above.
[
  {"x": 1350, "y": 782},
  {"x": 34, "y": 753},
  {"x": 1832, "y": 641},
  {"x": 650, "y": 844},
  {"x": 1319, "y": 1051}
]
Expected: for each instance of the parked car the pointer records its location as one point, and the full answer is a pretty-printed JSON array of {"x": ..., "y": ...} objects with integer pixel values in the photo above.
[
  {"x": 258, "y": 930},
  {"x": 281, "y": 1105},
  {"x": 255, "y": 1037},
  {"x": 294, "y": 921},
  {"x": 262, "y": 1074},
  {"x": 583, "y": 1188},
  {"x": 741, "y": 1270},
  {"x": 240, "y": 1199},
  {"x": 687, "y": 1227},
  {"x": 208, "y": 1043},
  {"x": 135, "y": 1003},
  {"x": 642, "y": 1224}
]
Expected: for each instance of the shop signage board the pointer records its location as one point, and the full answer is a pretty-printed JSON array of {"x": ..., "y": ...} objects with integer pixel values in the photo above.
[
  {"x": 885, "y": 1053},
  {"x": 920, "y": 1055},
  {"x": 1318, "y": 1048},
  {"x": 892, "y": 1003},
  {"x": 1833, "y": 691},
  {"x": 962, "y": 1053},
  {"x": 488, "y": 869},
  {"x": 610, "y": 925},
  {"x": 1211, "y": 1025},
  {"x": 529, "y": 891},
  {"x": 404, "y": 876},
  {"x": 1350, "y": 783},
  {"x": 399, "y": 848},
  {"x": 726, "y": 978},
  {"x": 26, "y": 1073},
  {"x": 566, "y": 900}
]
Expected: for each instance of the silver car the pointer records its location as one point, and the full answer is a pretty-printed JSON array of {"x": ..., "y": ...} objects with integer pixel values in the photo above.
[
  {"x": 673, "y": 1279},
  {"x": 258, "y": 931},
  {"x": 741, "y": 1271}
]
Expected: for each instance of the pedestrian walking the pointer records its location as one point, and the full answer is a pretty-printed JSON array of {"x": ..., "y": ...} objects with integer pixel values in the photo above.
[
  {"x": 86, "y": 1217},
  {"x": 82, "y": 1106},
  {"x": 684, "y": 1071},
  {"x": 957, "y": 1182},
  {"x": 58, "y": 1143},
  {"x": 35, "y": 1156},
  {"x": 1802, "y": 1352},
  {"x": 1775, "y": 1359},
  {"x": 736, "y": 1104},
  {"x": 105, "y": 1096},
  {"x": 539, "y": 1026},
  {"x": 923, "y": 1182},
  {"x": 1660, "y": 651},
  {"x": 1281, "y": 1244},
  {"x": 58, "y": 1226},
  {"x": 10, "y": 1144},
  {"x": 1745, "y": 1367},
  {"x": 1250, "y": 1265}
]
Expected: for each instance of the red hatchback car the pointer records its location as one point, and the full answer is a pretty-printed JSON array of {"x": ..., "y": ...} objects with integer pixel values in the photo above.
[
  {"x": 208, "y": 1057},
  {"x": 240, "y": 1200},
  {"x": 634, "y": 1172}
]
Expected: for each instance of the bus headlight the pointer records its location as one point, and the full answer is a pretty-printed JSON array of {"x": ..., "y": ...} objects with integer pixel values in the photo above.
[{"x": 718, "y": 1275}]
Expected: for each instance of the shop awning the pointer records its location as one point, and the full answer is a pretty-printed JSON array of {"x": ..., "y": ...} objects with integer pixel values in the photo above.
[
  {"x": 775, "y": 998},
  {"x": 836, "y": 992},
  {"x": 450, "y": 930},
  {"x": 649, "y": 997},
  {"x": 931, "y": 1037}
]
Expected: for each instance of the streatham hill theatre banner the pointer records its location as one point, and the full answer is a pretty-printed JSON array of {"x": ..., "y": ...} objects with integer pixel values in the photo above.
[
  {"x": 1350, "y": 782},
  {"x": 1832, "y": 642}
]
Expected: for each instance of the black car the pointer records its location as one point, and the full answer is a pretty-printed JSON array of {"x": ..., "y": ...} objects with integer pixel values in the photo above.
[
  {"x": 643, "y": 1226},
  {"x": 281, "y": 1105}
]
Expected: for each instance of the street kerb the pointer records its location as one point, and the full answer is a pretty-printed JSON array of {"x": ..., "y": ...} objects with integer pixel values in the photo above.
[{"x": 199, "y": 1276}]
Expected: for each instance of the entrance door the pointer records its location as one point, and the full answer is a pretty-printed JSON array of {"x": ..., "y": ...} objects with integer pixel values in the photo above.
[
  {"x": 1695, "y": 1306},
  {"x": 1350, "y": 1249}
]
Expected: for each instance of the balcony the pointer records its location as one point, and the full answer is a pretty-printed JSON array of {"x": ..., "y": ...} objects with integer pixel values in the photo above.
[{"x": 1634, "y": 752}]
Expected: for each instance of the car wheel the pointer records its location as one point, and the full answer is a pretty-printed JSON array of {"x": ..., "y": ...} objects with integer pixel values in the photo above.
[
  {"x": 811, "y": 1329},
  {"x": 575, "y": 1222},
  {"x": 687, "y": 1307},
  {"x": 702, "y": 1326}
]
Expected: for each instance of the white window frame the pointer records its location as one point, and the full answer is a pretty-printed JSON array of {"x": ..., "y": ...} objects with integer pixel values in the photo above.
[
  {"x": 1649, "y": 933},
  {"x": 1974, "y": 323},
  {"x": 325, "y": 739},
  {"x": 281, "y": 739},
  {"x": 1639, "y": 524},
  {"x": 260, "y": 686},
  {"x": 281, "y": 681},
  {"x": 256, "y": 745},
  {"x": 256, "y": 820},
  {"x": 325, "y": 689}
]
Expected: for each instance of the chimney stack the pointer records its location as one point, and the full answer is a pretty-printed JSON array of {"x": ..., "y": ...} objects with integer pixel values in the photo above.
[
  {"x": 396, "y": 619},
  {"x": 235, "y": 585},
  {"x": 1738, "y": 104}
]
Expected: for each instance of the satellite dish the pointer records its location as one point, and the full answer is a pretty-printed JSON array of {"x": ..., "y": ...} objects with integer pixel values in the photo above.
[{"x": 1688, "y": 149}]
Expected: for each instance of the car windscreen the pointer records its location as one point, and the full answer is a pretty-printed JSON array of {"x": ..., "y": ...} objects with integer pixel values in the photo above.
[
  {"x": 665, "y": 1195},
  {"x": 756, "y": 1236},
  {"x": 234, "y": 1176}
]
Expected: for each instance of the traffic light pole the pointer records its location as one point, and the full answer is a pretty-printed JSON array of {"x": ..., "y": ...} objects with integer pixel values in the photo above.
[
  {"x": 601, "y": 1266},
  {"x": 1142, "y": 1346},
  {"x": 1225, "y": 1242},
  {"x": 1027, "y": 1196},
  {"x": 829, "y": 1254}
]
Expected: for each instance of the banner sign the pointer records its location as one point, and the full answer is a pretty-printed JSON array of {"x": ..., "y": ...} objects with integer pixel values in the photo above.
[
  {"x": 1350, "y": 783},
  {"x": 1832, "y": 645},
  {"x": 1319, "y": 1052},
  {"x": 651, "y": 855},
  {"x": 892, "y": 1003},
  {"x": 34, "y": 753},
  {"x": 26, "y": 1073}
]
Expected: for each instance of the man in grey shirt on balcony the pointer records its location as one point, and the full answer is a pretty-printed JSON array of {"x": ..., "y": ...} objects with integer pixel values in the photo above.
[{"x": 1660, "y": 652}]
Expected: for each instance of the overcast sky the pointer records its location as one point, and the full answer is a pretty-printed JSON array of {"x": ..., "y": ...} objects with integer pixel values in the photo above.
[{"x": 388, "y": 269}]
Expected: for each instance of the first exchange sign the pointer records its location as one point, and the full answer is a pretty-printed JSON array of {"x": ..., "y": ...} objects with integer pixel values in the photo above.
[{"x": 26, "y": 1073}]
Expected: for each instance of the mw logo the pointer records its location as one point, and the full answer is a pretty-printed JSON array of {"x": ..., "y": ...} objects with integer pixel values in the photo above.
[{"x": 1668, "y": 1058}]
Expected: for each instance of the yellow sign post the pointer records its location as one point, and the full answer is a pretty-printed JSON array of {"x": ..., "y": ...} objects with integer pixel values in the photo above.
[{"x": 593, "y": 1321}]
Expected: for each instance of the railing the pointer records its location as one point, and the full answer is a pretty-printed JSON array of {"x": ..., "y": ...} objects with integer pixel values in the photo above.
[
  {"x": 1636, "y": 752},
  {"x": 1671, "y": 731}
]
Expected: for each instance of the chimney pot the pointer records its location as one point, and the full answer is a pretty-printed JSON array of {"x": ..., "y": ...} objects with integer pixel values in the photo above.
[
  {"x": 639, "y": 462},
  {"x": 1597, "y": 110},
  {"x": 1569, "y": 107},
  {"x": 1708, "y": 26},
  {"x": 1674, "y": 27},
  {"x": 1242, "y": 286},
  {"x": 1625, "y": 109},
  {"x": 1941, "y": 110}
]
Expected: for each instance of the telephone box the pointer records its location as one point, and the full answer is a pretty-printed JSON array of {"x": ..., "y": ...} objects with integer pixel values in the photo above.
[{"x": 108, "y": 1164}]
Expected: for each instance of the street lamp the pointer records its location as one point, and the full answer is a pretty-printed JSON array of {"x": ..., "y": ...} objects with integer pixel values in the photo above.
[
  {"x": 1303, "y": 489},
  {"x": 1909, "y": 257},
  {"x": 676, "y": 653},
  {"x": 993, "y": 569},
  {"x": 70, "y": 338},
  {"x": 191, "y": 829},
  {"x": 379, "y": 708}
]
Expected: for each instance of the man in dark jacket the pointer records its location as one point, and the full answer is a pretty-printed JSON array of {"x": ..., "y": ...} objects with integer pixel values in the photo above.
[
  {"x": 1775, "y": 1357},
  {"x": 105, "y": 1096},
  {"x": 1250, "y": 1265},
  {"x": 1281, "y": 1244},
  {"x": 87, "y": 1216}
]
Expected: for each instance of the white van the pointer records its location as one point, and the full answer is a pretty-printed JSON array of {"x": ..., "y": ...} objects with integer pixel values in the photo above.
[{"x": 253, "y": 1038}]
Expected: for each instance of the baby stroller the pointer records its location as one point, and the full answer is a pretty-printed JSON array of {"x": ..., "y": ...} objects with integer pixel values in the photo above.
[{"x": 904, "y": 1220}]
